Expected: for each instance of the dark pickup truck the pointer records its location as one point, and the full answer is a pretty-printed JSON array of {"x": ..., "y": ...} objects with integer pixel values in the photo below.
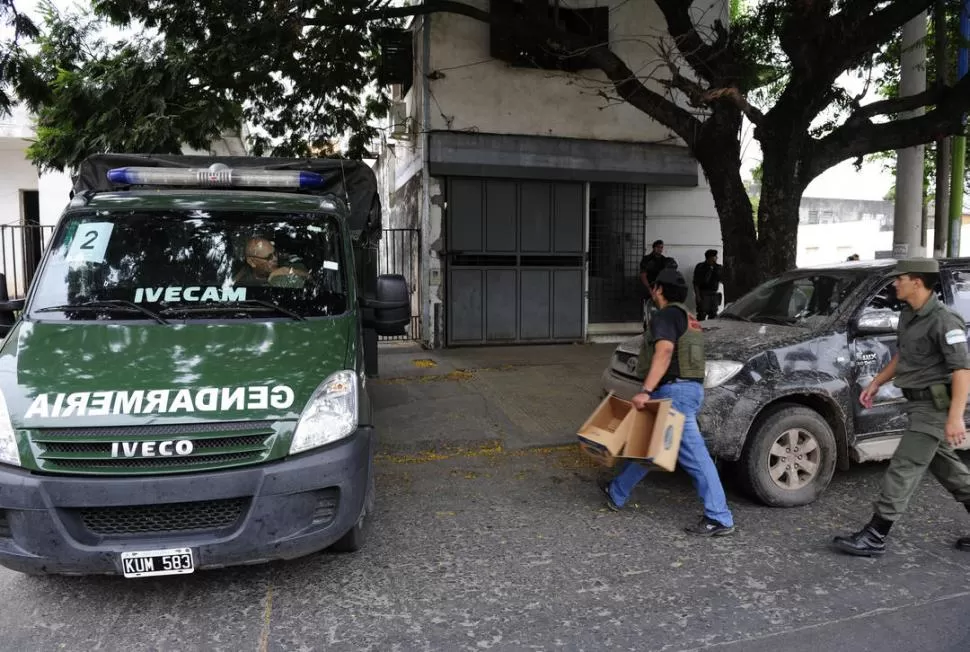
[{"x": 786, "y": 365}]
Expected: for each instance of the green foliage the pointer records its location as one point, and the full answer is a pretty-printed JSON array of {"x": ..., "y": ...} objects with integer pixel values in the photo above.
[
  {"x": 92, "y": 96},
  {"x": 196, "y": 70},
  {"x": 13, "y": 58}
]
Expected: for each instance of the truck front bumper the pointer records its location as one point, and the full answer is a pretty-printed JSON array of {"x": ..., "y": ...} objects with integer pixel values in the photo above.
[{"x": 279, "y": 510}]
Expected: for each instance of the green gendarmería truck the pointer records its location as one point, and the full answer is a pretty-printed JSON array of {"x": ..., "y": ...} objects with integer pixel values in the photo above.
[{"x": 185, "y": 385}]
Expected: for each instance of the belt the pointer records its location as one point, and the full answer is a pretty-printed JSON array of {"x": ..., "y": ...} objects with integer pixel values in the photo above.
[
  {"x": 670, "y": 380},
  {"x": 921, "y": 394}
]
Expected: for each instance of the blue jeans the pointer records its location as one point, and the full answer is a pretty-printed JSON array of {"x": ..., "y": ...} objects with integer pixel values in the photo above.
[{"x": 693, "y": 456}]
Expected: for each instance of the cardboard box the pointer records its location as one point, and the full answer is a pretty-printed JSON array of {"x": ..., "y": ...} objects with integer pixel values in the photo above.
[{"x": 616, "y": 430}]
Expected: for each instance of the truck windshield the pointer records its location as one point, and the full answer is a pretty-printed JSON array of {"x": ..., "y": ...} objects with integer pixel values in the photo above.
[
  {"x": 805, "y": 299},
  {"x": 192, "y": 265}
]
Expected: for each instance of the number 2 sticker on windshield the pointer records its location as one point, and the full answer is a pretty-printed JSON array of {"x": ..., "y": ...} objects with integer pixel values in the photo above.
[{"x": 90, "y": 242}]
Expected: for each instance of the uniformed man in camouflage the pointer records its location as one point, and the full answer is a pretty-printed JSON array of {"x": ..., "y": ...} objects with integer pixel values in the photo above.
[{"x": 932, "y": 367}]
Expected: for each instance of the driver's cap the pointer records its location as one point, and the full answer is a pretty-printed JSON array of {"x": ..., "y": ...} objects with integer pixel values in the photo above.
[{"x": 917, "y": 266}]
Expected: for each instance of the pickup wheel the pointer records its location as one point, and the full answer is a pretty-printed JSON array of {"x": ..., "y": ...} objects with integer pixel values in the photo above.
[{"x": 790, "y": 457}]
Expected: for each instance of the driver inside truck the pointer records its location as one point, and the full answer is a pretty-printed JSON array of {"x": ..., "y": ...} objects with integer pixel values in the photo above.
[{"x": 262, "y": 265}]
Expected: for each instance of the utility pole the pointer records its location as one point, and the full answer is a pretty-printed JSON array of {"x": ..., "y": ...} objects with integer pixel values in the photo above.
[
  {"x": 942, "y": 200},
  {"x": 959, "y": 145},
  {"x": 908, "y": 221}
]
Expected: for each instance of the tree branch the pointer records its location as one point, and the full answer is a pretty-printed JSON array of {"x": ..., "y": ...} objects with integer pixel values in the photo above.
[
  {"x": 703, "y": 57},
  {"x": 389, "y": 13},
  {"x": 853, "y": 140},
  {"x": 701, "y": 97},
  {"x": 897, "y": 105}
]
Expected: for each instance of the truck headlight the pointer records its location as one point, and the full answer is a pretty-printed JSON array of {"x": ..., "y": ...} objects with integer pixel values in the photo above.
[
  {"x": 718, "y": 372},
  {"x": 331, "y": 413},
  {"x": 8, "y": 438}
]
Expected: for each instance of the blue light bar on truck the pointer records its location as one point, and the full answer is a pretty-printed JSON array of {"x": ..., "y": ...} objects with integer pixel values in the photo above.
[{"x": 216, "y": 175}]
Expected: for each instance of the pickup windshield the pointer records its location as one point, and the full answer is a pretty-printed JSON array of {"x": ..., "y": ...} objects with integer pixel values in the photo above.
[
  {"x": 165, "y": 265},
  {"x": 802, "y": 298}
]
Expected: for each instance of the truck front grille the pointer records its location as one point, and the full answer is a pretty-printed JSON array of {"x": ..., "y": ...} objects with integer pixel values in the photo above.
[
  {"x": 119, "y": 450},
  {"x": 160, "y": 519}
]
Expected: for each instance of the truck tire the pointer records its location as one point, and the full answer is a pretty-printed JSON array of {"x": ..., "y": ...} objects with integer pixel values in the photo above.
[
  {"x": 355, "y": 537},
  {"x": 789, "y": 458}
]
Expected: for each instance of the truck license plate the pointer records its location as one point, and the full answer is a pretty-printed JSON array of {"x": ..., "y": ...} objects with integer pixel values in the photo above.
[{"x": 149, "y": 563}]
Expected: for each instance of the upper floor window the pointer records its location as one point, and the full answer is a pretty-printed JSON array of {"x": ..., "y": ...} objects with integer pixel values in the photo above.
[{"x": 527, "y": 52}]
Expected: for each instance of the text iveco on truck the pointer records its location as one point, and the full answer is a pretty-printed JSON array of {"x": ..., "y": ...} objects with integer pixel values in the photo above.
[{"x": 185, "y": 385}]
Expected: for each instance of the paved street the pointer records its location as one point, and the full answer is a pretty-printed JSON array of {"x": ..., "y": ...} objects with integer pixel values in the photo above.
[
  {"x": 486, "y": 544},
  {"x": 515, "y": 551}
]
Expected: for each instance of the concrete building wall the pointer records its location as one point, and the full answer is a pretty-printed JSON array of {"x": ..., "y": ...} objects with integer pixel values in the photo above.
[
  {"x": 826, "y": 244},
  {"x": 477, "y": 92}
]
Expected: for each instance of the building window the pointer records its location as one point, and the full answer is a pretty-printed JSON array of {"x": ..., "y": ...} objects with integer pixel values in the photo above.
[
  {"x": 617, "y": 242},
  {"x": 812, "y": 217},
  {"x": 525, "y": 52},
  {"x": 396, "y": 65}
]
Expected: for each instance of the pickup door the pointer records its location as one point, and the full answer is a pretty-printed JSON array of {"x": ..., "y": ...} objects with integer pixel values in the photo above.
[
  {"x": 878, "y": 427},
  {"x": 872, "y": 345}
]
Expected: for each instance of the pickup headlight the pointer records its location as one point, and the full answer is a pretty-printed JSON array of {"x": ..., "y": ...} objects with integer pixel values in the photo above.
[
  {"x": 8, "y": 438},
  {"x": 718, "y": 372},
  {"x": 331, "y": 413}
]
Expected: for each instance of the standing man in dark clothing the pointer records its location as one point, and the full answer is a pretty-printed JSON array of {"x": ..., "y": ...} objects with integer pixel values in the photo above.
[
  {"x": 707, "y": 282},
  {"x": 932, "y": 368},
  {"x": 671, "y": 363},
  {"x": 650, "y": 266}
]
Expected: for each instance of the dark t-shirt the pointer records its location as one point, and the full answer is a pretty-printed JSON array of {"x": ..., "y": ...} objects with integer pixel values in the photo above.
[
  {"x": 707, "y": 277},
  {"x": 669, "y": 324},
  {"x": 651, "y": 264}
]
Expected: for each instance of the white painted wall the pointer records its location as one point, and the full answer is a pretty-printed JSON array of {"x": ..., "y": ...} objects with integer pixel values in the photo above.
[
  {"x": 686, "y": 220},
  {"x": 479, "y": 93},
  {"x": 827, "y": 244}
]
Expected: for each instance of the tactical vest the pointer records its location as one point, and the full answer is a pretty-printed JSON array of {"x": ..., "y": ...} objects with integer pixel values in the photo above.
[{"x": 689, "y": 349}]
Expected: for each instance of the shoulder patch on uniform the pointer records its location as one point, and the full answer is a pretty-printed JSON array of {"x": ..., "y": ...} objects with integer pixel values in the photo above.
[{"x": 956, "y": 336}]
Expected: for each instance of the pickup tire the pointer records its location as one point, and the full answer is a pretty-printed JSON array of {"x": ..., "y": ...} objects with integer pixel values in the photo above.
[{"x": 790, "y": 457}]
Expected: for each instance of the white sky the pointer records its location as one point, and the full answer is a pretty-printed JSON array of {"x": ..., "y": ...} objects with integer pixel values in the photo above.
[{"x": 841, "y": 182}]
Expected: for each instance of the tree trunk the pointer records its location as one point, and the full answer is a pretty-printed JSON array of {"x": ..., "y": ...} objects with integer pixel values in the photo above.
[
  {"x": 781, "y": 194},
  {"x": 718, "y": 149}
]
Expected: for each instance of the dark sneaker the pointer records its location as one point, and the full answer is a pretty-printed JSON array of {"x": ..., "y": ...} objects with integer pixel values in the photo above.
[
  {"x": 963, "y": 544},
  {"x": 605, "y": 488},
  {"x": 864, "y": 543},
  {"x": 708, "y": 527}
]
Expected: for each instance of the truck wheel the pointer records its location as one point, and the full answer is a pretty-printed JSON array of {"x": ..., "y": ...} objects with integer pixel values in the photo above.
[
  {"x": 789, "y": 458},
  {"x": 355, "y": 537}
]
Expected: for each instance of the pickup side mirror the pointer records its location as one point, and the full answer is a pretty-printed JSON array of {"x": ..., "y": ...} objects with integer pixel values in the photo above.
[
  {"x": 877, "y": 321},
  {"x": 389, "y": 312}
]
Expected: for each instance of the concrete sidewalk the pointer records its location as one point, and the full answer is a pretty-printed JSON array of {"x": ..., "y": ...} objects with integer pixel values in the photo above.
[{"x": 513, "y": 397}]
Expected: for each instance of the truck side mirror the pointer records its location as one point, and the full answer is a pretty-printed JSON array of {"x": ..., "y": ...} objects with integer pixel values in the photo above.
[
  {"x": 7, "y": 308},
  {"x": 389, "y": 312}
]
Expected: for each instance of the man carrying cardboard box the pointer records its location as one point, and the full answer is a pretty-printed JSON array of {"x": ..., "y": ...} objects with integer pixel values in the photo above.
[{"x": 672, "y": 363}]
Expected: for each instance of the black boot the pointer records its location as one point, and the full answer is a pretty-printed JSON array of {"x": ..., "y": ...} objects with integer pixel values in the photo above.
[
  {"x": 963, "y": 544},
  {"x": 864, "y": 543}
]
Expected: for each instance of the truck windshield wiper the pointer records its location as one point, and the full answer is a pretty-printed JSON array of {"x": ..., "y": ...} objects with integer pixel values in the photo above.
[
  {"x": 731, "y": 315},
  {"x": 249, "y": 305},
  {"x": 118, "y": 305},
  {"x": 776, "y": 319}
]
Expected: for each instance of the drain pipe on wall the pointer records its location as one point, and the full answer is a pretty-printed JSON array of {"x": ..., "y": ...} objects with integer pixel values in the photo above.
[
  {"x": 959, "y": 152},
  {"x": 429, "y": 316}
]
